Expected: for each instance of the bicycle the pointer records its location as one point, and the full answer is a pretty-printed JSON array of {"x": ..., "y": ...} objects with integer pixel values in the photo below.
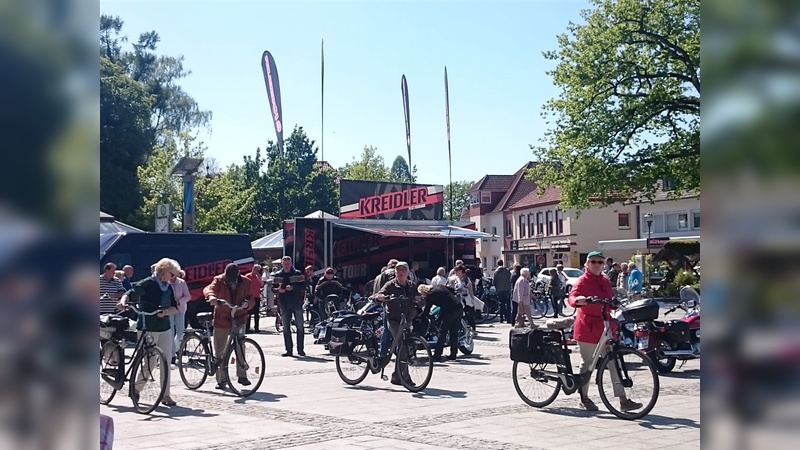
[
  {"x": 466, "y": 342},
  {"x": 358, "y": 354},
  {"x": 540, "y": 302},
  {"x": 491, "y": 306},
  {"x": 628, "y": 365},
  {"x": 148, "y": 365},
  {"x": 242, "y": 355},
  {"x": 311, "y": 317}
]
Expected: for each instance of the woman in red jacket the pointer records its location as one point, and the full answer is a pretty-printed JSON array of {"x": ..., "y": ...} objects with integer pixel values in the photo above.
[{"x": 589, "y": 326}]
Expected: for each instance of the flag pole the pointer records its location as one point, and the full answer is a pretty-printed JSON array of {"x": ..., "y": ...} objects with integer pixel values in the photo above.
[
  {"x": 322, "y": 96},
  {"x": 449, "y": 157}
]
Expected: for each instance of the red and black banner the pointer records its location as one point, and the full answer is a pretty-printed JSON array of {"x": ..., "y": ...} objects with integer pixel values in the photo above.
[
  {"x": 404, "y": 89},
  {"x": 288, "y": 238},
  {"x": 309, "y": 243},
  {"x": 380, "y": 200},
  {"x": 274, "y": 95}
]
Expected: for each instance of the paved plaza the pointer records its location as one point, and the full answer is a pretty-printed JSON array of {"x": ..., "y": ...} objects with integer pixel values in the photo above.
[{"x": 469, "y": 404}]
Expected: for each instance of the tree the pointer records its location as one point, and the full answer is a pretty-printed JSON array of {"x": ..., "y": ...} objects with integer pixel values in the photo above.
[
  {"x": 370, "y": 167},
  {"x": 458, "y": 192},
  {"x": 400, "y": 173},
  {"x": 629, "y": 110}
]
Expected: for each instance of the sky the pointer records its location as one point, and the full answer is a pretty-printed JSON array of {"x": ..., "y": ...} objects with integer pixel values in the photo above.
[{"x": 493, "y": 53}]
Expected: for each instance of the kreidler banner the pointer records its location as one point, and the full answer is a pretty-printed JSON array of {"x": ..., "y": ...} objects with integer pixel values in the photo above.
[{"x": 380, "y": 200}]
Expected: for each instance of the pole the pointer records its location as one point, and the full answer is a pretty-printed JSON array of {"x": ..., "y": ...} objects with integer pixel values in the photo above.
[
  {"x": 322, "y": 102},
  {"x": 449, "y": 157}
]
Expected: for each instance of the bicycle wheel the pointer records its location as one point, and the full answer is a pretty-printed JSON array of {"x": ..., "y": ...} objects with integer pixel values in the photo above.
[
  {"x": 567, "y": 310},
  {"x": 148, "y": 380},
  {"x": 194, "y": 360},
  {"x": 466, "y": 342},
  {"x": 246, "y": 367},
  {"x": 111, "y": 357},
  {"x": 639, "y": 382},
  {"x": 353, "y": 368},
  {"x": 534, "y": 387},
  {"x": 312, "y": 318},
  {"x": 538, "y": 308},
  {"x": 482, "y": 314},
  {"x": 414, "y": 364}
]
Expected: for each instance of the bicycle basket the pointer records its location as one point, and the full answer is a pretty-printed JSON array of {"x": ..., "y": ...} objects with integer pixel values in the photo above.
[
  {"x": 343, "y": 341},
  {"x": 535, "y": 346}
]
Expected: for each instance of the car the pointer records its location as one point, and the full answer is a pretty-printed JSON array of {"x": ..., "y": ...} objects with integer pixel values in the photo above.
[{"x": 572, "y": 275}]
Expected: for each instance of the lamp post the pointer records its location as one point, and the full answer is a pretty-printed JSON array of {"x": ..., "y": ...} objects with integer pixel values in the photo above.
[
  {"x": 649, "y": 219},
  {"x": 539, "y": 241}
]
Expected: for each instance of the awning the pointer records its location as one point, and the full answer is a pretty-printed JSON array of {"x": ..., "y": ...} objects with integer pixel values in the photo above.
[
  {"x": 639, "y": 244},
  {"x": 272, "y": 241},
  {"x": 417, "y": 231}
]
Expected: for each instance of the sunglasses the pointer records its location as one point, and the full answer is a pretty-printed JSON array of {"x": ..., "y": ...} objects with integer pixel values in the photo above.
[
  {"x": 596, "y": 261},
  {"x": 328, "y": 273}
]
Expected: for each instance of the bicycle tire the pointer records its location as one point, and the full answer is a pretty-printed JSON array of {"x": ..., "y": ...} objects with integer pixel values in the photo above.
[
  {"x": 188, "y": 359},
  {"x": 137, "y": 363},
  {"x": 341, "y": 360},
  {"x": 312, "y": 318},
  {"x": 567, "y": 310},
  {"x": 629, "y": 367},
  {"x": 108, "y": 363},
  {"x": 415, "y": 342},
  {"x": 540, "y": 311},
  {"x": 515, "y": 372},
  {"x": 259, "y": 371},
  {"x": 469, "y": 344}
]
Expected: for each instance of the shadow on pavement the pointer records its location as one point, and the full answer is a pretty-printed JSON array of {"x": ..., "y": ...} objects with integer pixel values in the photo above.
[
  {"x": 442, "y": 393},
  {"x": 656, "y": 422},
  {"x": 485, "y": 338},
  {"x": 165, "y": 412},
  {"x": 313, "y": 359},
  {"x": 686, "y": 374},
  {"x": 464, "y": 361},
  {"x": 261, "y": 397}
]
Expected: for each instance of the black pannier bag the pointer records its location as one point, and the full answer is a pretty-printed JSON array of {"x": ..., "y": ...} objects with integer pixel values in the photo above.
[
  {"x": 328, "y": 324},
  {"x": 535, "y": 346},
  {"x": 641, "y": 311},
  {"x": 343, "y": 341},
  {"x": 112, "y": 325}
]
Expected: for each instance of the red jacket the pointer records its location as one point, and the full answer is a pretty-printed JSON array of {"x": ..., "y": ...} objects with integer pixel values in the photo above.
[
  {"x": 220, "y": 289},
  {"x": 589, "y": 320}
]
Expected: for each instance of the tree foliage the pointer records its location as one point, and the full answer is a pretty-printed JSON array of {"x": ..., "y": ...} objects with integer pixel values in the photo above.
[
  {"x": 629, "y": 110},
  {"x": 400, "y": 172},
  {"x": 370, "y": 166},
  {"x": 458, "y": 191}
]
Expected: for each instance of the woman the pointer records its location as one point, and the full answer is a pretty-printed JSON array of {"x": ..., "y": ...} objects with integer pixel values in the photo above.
[
  {"x": 522, "y": 297},
  {"x": 178, "y": 321},
  {"x": 155, "y": 293},
  {"x": 465, "y": 289},
  {"x": 556, "y": 288}
]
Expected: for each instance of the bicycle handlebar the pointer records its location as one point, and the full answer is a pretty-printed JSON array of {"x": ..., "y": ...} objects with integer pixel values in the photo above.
[
  {"x": 142, "y": 313},
  {"x": 224, "y": 302}
]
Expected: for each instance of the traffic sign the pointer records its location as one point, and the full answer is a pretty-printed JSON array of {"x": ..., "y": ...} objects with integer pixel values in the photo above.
[{"x": 541, "y": 259}]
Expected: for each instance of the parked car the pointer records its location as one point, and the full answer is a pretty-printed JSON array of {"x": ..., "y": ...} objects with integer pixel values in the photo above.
[{"x": 572, "y": 276}]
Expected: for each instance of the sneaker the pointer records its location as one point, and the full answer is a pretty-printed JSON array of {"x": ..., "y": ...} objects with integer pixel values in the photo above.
[
  {"x": 437, "y": 358},
  {"x": 244, "y": 381},
  {"x": 168, "y": 401},
  {"x": 301, "y": 353},
  {"x": 174, "y": 361},
  {"x": 286, "y": 354},
  {"x": 451, "y": 357},
  {"x": 396, "y": 381},
  {"x": 588, "y": 405},
  {"x": 629, "y": 405}
]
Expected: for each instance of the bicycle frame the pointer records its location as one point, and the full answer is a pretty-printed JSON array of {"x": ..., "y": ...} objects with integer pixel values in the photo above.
[{"x": 142, "y": 344}]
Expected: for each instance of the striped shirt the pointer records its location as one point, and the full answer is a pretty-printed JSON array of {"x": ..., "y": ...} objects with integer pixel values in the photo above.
[{"x": 110, "y": 287}]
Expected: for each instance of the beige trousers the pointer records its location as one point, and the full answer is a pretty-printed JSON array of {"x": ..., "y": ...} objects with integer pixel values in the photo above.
[
  {"x": 523, "y": 311},
  {"x": 164, "y": 341},
  {"x": 220, "y": 341},
  {"x": 587, "y": 350}
]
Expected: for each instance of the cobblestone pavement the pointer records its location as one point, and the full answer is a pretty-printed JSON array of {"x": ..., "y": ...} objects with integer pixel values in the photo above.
[{"x": 469, "y": 404}]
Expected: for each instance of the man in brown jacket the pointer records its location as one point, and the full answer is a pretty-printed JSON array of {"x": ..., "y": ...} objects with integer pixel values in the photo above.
[{"x": 234, "y": 288}]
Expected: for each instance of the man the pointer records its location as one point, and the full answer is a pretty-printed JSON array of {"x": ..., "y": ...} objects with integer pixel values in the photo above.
[
  {"x": 502, "y": 284},
  {"x": 622, "y": 280},
  {"x": 635, "y": 282},
  {"x": 126, "y": 282},
  {"x": 515, "y": 274},
  {"x": 607, "y": 267},
  {"x": 290, "y": 286},
  {"x": 453, "y": 270},
  {"x": 329, "y": 284},
  {"x": 311, "y": 282},
  {"x": 413, "y": 274},
  {"x": 110, "y": 286},
  {"x": 613, "y": 274},
  {"x": 385, "y": 275},
  {"x": 255, "y": 285},
  {"x": 399, "y": 286},
  {"x": 561, "y": 275},
  {"x": 449, "y": 315},
  {"x": 588, "y": 328},
  {"x": 266, "y": 283}
]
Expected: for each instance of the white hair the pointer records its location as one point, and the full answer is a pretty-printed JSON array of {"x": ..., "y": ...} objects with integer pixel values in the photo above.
[{"x": 525, "y": 272}]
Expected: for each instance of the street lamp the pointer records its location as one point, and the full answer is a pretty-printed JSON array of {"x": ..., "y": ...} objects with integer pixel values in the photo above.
[
  {"x": 539, "y": 241},
  {"x": 649, "y": 219}
]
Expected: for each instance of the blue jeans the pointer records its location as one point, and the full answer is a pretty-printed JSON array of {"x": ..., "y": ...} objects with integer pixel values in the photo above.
[
  {"x": 178, "y": 323},
  {"x": 386, "y": 339},
  {"x": 504, "y": 301},
  {"x": 287, "y": 311}
]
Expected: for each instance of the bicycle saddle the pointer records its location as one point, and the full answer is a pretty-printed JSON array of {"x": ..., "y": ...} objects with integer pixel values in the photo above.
[{"x": 559, "y": 324}]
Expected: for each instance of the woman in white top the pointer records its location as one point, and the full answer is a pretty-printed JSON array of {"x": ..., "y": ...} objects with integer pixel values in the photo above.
[
  {"x": 465, "y": 288},
  {"x": 439, "y": 278}
]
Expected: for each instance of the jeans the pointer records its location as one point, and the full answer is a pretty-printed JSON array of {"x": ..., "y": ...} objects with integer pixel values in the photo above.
[
  {"x": 504, "y": 300},
  {"x": 557, "y": 302},
  {"x": 178, "y": 323},
  {"x": 287, "y": 311},
  {"x": 386, "y": 339},
  {"x": 450, "y": 325},
  {"x": 220, "y": 341}
]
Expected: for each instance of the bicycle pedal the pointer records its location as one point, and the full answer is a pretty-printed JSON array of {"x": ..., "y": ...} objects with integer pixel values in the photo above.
[{"x": 385, "y": 377}]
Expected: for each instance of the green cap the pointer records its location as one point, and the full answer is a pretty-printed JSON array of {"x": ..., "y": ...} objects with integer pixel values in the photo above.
[{"x": 595, "y": 253}]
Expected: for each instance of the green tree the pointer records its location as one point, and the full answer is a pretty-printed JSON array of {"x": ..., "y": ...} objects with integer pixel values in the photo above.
[
  {"x": 370, "y": 166},
  {"x": 400, "y": 173},
  {"x": 458, "y": 192},
  {"x": 629, "y": 110}
]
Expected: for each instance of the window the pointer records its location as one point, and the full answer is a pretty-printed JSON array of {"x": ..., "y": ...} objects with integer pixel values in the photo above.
[
  {"x": 495, "y": 261},
  {"x": 508, "y": 228},
  {"x": 559, "y": 222},
  {"x": 539, "y": 224},
  {"x": 657, "y": 227},
  {"x": 549, "y": 223},
  {"x": 494, "y": 231},
  {"x": 483, "y": 229},
  {"x": 483, "y": 265},
  {"x": 486, "y": 197},
  {"x": 676, "y": 221},
  {"x": 666, "y": 184},
  {"x": 531, "y": 225},
  {"x": 521, "y": 233},
  {"x": 695, "y": 220},
  {"x": 473, "y": 199},
  {"x": 624, "y": 220},
  {"x": 683, "y": 221}
]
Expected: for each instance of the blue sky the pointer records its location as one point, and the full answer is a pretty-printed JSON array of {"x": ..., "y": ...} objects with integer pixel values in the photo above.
[{"x": 493, "y": 54}]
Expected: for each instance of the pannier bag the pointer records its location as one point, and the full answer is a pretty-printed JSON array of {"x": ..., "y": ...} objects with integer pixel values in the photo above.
[
  {"x": 343, "y": 341},
  {"x": 535, "y": 346}
]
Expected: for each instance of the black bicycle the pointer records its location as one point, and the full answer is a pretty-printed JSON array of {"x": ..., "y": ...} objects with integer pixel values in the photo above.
[
  {"x": 148, "y": 369},
  {"x": 491, "y": 306},
  {"x": 243, "y": 359},
  {"x": 357, "y": 353},
  {"x": 543, "y": 367}
]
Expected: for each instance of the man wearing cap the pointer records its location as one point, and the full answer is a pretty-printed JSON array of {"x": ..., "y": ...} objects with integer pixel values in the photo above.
[
  {"x": 588, "y": 327},
  {"x": 290, "y": 285},
  {"x": 400, "y": 286},
  {"x": 450, "y": 315},
  {"x": 234, "y": 288}
]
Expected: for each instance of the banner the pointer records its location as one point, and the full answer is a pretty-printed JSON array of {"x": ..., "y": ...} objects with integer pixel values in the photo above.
[
  {"x": 447, "y": 119},
  {"x": 380, "y": 200},
  {"x": 309, "y": 243},
  {"x": 404, "y": 88},
  {"x": 274, "y": 95}
]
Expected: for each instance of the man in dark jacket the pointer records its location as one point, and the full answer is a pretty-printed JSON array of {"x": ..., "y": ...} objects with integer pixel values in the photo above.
[
  {"x": 329, "y": 284},
  {"x": 290, "y": 286},
  {"x": 450, "y": 313},
  {"x": 502, "y": 284},
  {"x": 400, "y": 286}
]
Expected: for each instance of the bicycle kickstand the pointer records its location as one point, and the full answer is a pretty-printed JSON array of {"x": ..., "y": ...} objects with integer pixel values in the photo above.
[{"x": 384, "y": 377}]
